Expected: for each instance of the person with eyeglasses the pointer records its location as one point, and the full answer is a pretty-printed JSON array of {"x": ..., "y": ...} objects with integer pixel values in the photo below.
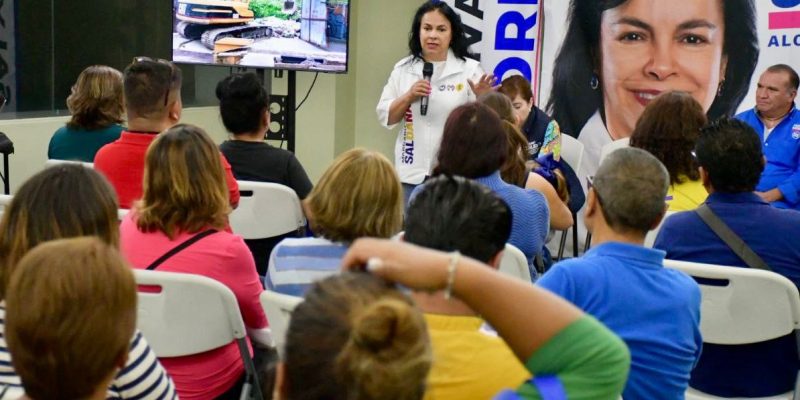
[
  {"x": 655, "y": 310},
  {"x": 152, "y": 89}
]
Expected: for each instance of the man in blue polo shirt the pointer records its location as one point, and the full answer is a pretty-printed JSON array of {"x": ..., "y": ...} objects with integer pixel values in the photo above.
[
  {"x": 655, "y": 310},
  {"x": 731, "y": 161},
  {"x": 777, "y": 122}
]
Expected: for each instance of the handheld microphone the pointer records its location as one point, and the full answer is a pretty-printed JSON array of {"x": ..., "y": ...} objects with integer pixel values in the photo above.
[{"x": 427, "y": 73}]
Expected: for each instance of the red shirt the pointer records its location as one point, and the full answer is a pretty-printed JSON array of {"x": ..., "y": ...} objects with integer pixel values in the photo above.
[{"x": 122, "y": 162}]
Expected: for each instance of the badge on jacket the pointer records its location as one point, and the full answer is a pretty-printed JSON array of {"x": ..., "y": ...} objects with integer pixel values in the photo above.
[{"x": 796, "y": 131}]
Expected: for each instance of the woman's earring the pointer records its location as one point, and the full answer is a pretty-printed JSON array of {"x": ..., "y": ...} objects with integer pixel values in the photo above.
[
  {"x": 594, "y": 82},
  {"x": 720, "y": 87}
]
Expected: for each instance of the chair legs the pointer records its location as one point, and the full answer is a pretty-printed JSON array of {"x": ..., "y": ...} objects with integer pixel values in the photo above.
[{"x": 251, "y": 390}]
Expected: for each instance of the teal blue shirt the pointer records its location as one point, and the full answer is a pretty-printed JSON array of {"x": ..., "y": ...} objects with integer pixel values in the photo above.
[{"x": 79, "y": 144}]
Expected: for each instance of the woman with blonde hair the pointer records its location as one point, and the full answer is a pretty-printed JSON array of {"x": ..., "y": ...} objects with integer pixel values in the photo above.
[
  {"x": 97, "y": 107},
  {"x": 359, "y": 195},
  {"x": 180, "y": 225},
  {"x": 519, "y": 171},
  {"x": 48, "y": 207}
]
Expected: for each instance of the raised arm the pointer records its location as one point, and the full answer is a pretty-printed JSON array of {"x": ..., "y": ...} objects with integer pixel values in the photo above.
[{"x": 504, "y": 302}]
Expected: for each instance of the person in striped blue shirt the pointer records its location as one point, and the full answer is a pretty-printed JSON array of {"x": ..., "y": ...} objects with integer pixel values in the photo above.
[{"x": 359, "y": 195}]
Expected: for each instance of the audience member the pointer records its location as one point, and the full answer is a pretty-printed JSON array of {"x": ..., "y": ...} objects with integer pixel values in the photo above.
[
  {"x": 153, "y": 103},
  {"x": 668, "y": 129},
  {"x": 354, "y": 337},
  {"x": 359, "y": 195},
  {"x": 542, "y": 134},
  {"x": 516, "y": 171},
  {"x": 70, "y": 315},
  {"x": 48, "y": 207},
  {"x": 456, "y": 214},
  {"x": 179, "y": 226},
  {"x": 655, "y": 310},
  {"x": 570, "y": 353},
  {"x": 731, "y": 162},
  {"x": 244, "y": 107},
  {"x": 474, "y": 146},
  {"x": 541, "y": 131},
  {"x": 96, "y": 105},
  {"x": 775, "y": 112}
]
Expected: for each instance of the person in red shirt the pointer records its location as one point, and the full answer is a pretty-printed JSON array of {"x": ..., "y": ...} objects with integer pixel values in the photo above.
[{"x": 153, "y": 103}]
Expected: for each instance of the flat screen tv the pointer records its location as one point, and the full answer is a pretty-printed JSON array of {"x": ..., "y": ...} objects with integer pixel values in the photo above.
[{"x": 303, "y": 35}]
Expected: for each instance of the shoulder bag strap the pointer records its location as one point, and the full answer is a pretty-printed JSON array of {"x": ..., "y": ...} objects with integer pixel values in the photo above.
[
  {"x": 177, "y": 249},
  {"x": 731, "y": 238}
]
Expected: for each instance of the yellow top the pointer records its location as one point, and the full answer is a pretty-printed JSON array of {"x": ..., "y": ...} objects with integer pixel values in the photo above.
[
  {"x": 469, "y": 362},
  {"x": 686, "y": 196}
]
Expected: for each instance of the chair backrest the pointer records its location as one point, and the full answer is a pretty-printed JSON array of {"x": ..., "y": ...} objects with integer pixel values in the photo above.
[
  {"x": 266, "y": 210},
  {"x": 514, "y": 263},
  {"x": 184, "y": 314},
  {"x": 650, "y": 239},
  {"x": 754, "y": 305},
  {"x": 8, "y": 392},
  {"x": 572, "y": 151},
  {"x": 5, "y": 200},
  {"x": 609, "y": 148},
  {"x": 53, "y": 162},
  {"x": 278, "y": 308}
]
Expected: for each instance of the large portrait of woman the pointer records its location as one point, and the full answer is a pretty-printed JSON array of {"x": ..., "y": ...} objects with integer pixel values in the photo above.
[{"x": 618, "y": 55}]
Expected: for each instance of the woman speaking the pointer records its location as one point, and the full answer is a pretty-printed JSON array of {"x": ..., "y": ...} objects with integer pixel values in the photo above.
[{"x": 420, "y": 97}]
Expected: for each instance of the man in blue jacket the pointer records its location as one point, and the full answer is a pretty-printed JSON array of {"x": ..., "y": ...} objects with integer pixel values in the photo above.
[{"x": 777, "y": 121}]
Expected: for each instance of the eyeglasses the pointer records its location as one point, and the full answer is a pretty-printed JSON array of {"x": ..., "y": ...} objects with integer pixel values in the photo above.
[
  {"x": 590, "y": 185},
  {"x": 142, "y": 59}
]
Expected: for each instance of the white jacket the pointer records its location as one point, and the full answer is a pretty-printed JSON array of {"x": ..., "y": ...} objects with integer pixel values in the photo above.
[{"x": 419, "y": 136}]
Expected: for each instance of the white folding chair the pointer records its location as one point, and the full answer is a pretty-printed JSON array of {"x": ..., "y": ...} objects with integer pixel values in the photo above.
[
  {"x": 188, "y": 314},
  {"x": 514, "y": 263},
  {"x": 278, "y": 308},
  {"x": 53, "y": 162},
  {"x": 754, "y": 306},
  {"x": 650, "y": 239},
  {"x": 266, "y": 210},
  {"x": 617, "y": 144},
  {"x": 8, "y": 392},
  {"x": 572, "y": 154},
  {"x": 5, "y": 200}
]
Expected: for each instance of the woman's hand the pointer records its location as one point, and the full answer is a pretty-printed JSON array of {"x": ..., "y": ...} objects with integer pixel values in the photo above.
[
  {"x": 409, "y": 265},
  {"x": 420, "y": 88},
  {"x": 485, "y": 84}
]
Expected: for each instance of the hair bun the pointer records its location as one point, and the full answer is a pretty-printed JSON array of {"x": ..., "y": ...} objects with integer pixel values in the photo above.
[{"x": 383, "y": 324}]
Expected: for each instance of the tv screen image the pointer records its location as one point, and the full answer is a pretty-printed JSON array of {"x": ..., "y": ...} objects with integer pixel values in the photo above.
[{"x": 307, "y": 35}]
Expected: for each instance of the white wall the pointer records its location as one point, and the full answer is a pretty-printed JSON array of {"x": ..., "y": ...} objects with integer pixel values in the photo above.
[{"x": 338, "y": 115}]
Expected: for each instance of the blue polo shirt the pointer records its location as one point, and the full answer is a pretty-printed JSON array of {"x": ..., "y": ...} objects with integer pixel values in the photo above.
[
  {"x": 782, "y": 150},
  {"x": 655, "y": 310},
  {"x": 763, "y": 369}
]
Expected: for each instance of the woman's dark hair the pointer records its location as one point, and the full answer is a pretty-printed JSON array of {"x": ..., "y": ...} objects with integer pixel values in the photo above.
[
  {"x": 572, "y": 101},
  {"x": 356, "y": 337},
  {"x": 242, "y": 102},
  {"x": 458, "y": 40},
  {"x": 730, "y": 152},
  {"x": 668, "y": 129},
  {"x": 474, "y": 143}
]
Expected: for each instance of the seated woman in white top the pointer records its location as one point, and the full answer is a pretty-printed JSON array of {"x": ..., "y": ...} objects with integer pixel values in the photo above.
[{"x": 359, "y": 195}]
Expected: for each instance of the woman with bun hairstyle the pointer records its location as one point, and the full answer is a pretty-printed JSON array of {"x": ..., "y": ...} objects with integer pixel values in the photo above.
[
  {"x": 185, "y": 198},
  {"x": 358, "y": 195},
  {"x": 437, "y": 37},
  {"x": 668, "y": 129},
  {"x": 354, "y": 337},
  {"x": 97, "y": 107},
  {"x": 618, "y": 55},
  {"x": 570, "y": 352},
  {"x": 517, "y": 168},
  {"x": 48, "y": 207}
]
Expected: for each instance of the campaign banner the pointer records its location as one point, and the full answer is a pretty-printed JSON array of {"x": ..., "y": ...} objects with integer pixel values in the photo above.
[
  {"x": 7, "y": 63},
  {"x": 505, "y": 34},
  {"x": 778, "y": 39}
]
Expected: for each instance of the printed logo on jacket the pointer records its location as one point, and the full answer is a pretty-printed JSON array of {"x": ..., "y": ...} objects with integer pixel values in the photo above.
[{"x": 407, "y": 155}]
